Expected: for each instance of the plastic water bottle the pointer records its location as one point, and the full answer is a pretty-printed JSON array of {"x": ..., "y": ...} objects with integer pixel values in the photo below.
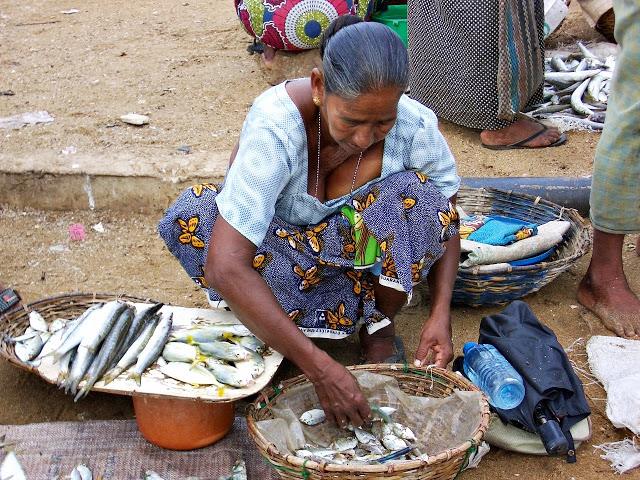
[{"x": 493, "y": 374}]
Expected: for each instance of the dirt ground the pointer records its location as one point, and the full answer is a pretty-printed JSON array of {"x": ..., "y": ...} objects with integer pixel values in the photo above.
[{"x": 185, "y": 64}]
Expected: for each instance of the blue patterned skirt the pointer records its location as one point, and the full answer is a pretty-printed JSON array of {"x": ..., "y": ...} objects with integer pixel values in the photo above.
[{"x": 323, "y": 275}]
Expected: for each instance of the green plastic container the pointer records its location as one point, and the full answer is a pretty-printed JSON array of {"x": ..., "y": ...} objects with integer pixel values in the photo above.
[{"x": 394, "y": 17}]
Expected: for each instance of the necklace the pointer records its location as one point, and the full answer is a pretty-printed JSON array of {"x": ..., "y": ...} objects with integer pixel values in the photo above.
[{"x": 355, "y": 172}]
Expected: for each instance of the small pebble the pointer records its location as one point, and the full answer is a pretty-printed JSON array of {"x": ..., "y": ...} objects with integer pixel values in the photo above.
[{"x": 135, "y": 119}]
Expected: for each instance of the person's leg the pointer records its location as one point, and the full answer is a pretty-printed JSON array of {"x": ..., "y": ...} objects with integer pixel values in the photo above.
[
  {"x": 380, "y": 345},
  {"x": 604, "y": 289},
  {"x": 615, "y": 197}
]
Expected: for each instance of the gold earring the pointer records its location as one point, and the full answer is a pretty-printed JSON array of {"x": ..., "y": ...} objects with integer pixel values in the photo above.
[{"x": 316, "y": 101}]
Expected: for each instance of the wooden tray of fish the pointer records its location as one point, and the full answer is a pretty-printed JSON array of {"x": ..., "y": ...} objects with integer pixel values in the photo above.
[{"x": 131, "y": 347}]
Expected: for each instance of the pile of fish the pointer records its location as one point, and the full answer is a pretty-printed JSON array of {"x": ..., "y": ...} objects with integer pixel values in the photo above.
[
  {"x": 382, "y": 441},
  {"x": 105, "y": 340},
  {"x": 110, "y": 339},
  {"x": 220, "y": 354},
  {"x": 577, "y": 87}
]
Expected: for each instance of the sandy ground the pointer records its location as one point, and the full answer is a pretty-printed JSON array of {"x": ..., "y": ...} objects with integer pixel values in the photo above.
[{"x": 185, "y": 64}]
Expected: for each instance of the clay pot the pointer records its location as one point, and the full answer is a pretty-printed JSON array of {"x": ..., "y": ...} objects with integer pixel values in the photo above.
[{"x": 178, "y": 424}]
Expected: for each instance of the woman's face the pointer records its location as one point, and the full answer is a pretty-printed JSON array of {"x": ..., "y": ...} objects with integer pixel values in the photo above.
[{"x": 357, "y": 124}]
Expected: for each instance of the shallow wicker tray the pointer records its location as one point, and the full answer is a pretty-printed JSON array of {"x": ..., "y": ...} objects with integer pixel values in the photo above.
[
  {"x": 423, "y": 382},
  {"x": 154, "y": 383},
  {"x": 476, "y": 287}
]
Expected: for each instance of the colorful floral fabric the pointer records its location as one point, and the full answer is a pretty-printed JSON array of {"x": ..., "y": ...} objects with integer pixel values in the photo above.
[
  {"x": 311, "y": 270},
  {"x": 295, "y": 24}
]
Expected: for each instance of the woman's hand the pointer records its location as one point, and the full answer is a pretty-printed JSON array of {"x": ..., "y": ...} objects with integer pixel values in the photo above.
[
  {"x": 340, "y": 395},
  {"x": 435, "y": 346}
]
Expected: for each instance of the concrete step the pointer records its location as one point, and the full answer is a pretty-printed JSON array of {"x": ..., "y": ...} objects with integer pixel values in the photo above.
[{"x": 104, "y": 182}]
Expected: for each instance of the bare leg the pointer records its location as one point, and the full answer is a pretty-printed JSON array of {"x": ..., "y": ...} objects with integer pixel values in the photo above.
[
  {"x": 604, "y": 289},
  {"x": 519, "y": 130},
  {"x": 379, "y": 346}
]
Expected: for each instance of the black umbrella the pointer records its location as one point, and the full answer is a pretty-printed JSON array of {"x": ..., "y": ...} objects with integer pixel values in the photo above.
[{"x": 553, "y": 392}]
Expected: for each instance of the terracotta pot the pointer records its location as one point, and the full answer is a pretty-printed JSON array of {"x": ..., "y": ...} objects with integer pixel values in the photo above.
[{"x": 178, "y": 424}]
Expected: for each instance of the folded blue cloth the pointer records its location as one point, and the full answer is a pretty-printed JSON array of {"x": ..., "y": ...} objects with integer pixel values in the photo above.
[{"x": 499, "y": 230}]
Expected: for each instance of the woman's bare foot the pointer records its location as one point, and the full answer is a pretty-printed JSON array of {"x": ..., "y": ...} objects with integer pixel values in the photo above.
[
  {"x": 378, "y": 347},
  {"x": 604, "y": 289},
  {"x": 519, "y": 130}
]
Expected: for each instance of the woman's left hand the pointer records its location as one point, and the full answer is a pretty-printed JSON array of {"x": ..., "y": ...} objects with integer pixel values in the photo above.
[{"x": 436, "y": 346}]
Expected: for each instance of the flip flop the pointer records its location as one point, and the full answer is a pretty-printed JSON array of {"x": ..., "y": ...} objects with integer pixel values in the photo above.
[
  {"x": 521, "y": 143},
  {"x": 398, "y": 355}
]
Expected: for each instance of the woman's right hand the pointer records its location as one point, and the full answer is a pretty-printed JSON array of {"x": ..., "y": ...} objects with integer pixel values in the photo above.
[{"x": 340, "y": 396}]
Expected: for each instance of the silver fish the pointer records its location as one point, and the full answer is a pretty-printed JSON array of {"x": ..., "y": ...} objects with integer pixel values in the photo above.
[
  {"x": 29, "y": 349},
  {"x": 131, "y": 355},
  {"x": 393, "y": 443},
  {"x": 403, "y": 432},
  {"x": 102, "y": 322},
  {"x": 28, "y": 333},
  {"x": 211, "y": 333},
  {"x": 224, "y": 351},
  {"x": 153, "y": 348},
  {"x": 180, "y": 352},
  {"x": 576, "y": 99},
  {"x": 585, "y": 51},
  {"x": 250, "y": 342},
  {"x": 140, "y": 319},
  {"x": 37, "y": 322},
  {"x": 594, "y": 87},
  {"x": 10, "y": 469},
  {"x": 313, "y": 417},
  {"x": 188, "y": 373},
  {"x": 108, "y": 351},
  {"x": 229, "y": 375},
  {"x": 151, "y": 475},
  {"x": 75, "y": 331},
  {"x": 64, "y": 364},
  {"x": 253, "y": 365},
  {"x": 57, "y": 324},
  {"x": 558, "y": 64},
  {"x": 570, "y": 77},
  {"x": 81, "y": 472},
  {"x": 344, "y": 443}
]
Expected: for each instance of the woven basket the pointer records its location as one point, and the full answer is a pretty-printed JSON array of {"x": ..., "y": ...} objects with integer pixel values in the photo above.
[
  {"x": 434, "y": 382},
  {"x": 63, "y": 306},
  {"x": 476, "y": 288}
]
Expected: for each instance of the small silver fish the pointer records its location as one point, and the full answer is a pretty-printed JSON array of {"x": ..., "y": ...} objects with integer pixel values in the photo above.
[
  {"x": 238, "y": 472},
  {"x": 10, "y": 469},
  {"x": 344, "y": 443},
  {"x": 251, "y": 343},
  {"x": 253, "y": 365},
  {"x": 81, "y": 472},
  {"x": 131, "y": 355},
  {"x": 313, "y": 417},
  {"x": 180, "y": 352},
  {"x": 151, "y": 475},
  {"x": 229, "y": 375},
  {"x": 224, "y": 351},
  {"x": 393, "y": 443},
  {"x": 153, "y": 348},
  {"x": 211, "y": 333},
  {"x": 37, "y": 322},
  {"x": 57, "y": 324},
  {"x": 403, "y": 432},
  {"x": 29, "y": 349}
]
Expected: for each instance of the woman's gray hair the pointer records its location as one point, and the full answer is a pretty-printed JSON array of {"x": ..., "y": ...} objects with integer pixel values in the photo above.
[{"x": 360, "y": 57}]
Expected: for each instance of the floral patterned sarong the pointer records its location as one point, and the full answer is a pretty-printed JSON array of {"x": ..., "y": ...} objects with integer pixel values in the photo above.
[{"x": 402, "y": 221}]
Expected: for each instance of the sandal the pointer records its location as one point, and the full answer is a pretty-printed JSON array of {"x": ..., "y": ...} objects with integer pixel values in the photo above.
[{"x": 521, "y": 144}]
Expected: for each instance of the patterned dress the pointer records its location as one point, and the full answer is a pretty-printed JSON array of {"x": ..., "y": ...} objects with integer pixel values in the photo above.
[
  {"x": 295, "y": 24},
  {"x": 320, "y": 274},
  {"x": 476, "y": 63}
]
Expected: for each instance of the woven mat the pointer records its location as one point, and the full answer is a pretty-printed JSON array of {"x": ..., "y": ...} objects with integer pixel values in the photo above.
[{"x": 116, "y": 450}]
